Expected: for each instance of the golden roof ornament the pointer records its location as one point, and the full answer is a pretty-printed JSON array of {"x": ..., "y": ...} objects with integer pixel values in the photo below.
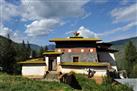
[{"x": 76, "y": 34}]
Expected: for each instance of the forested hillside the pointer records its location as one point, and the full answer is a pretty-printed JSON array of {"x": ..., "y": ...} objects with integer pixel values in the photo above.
[
  {"x": 12, "y": 52},
  {"x": 120, "y": 45},
  {"x": 18, "y": 46}
]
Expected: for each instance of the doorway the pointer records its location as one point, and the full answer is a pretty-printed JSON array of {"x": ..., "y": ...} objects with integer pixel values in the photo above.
[{"x": 52, "y": 64}]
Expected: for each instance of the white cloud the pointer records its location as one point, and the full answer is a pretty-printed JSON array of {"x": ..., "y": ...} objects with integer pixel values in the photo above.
[
  {"x": 86, "y": 15},
  {"x": 14, "y": 35},
  {"x": 129, "y": 26},
  {"x": 52, "y": 9},
  {"x": 126, "y": 14},
  {"x": 4, "y": 31},
  {"x": 19, "y": 36},
  {"x": 48, "y": 13},
  {"x": 86, "y": 32},
  {"x": 123, "y": 28},
  {"x": 41, "y": 27},
  {"x": 123, "y": 2},
  {"x": 39, "y": 9},
  {"x": 7, "y": 10},
  {"x": 100, "y": 1}
]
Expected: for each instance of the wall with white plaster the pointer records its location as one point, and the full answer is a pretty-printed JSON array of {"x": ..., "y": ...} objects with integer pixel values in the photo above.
[{"x": 33, "y": 70}]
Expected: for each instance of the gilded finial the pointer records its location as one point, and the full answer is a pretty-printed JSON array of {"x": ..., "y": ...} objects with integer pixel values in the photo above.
[{"x": 76, "y": 34}]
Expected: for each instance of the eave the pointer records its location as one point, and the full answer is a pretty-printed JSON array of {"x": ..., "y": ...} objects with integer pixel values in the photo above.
[
  {"x": 92, "y": 64},
  {"x": 73, "y": 39},
  {"x": 52, "y": 53},
  {"x": 106, "y": 50},
  {"x": 33, "y": 61},
  {"x": 104, "y": 44}
]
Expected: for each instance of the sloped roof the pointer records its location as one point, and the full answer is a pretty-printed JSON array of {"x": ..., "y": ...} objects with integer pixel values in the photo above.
[
  {"x": 74, "y": 39},
  {"x": 33, "y": 61},
  {"x": 95, "y": 64},
  {"x": 103, "y": 43},
  {"x": 51, "y": 53},
  {"x": 107, "y": 50}
]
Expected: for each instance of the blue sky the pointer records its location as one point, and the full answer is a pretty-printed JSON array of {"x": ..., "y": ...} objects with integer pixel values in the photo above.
[{"x": 37, "y": 21}]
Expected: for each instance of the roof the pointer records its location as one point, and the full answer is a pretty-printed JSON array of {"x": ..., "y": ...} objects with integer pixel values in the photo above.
[
  {"x": 51, "y": 53},
  {"x": 74, "y": 39},
  {"x": 106, "y": 50},
  {"x": 95, "y": 64},
  {"x": 106, "y": 44},
  {"x": 33, "y": 61}
]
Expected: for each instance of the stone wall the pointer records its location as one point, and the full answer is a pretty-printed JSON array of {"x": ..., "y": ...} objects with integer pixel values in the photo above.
[{"x": 68, "y": 57}]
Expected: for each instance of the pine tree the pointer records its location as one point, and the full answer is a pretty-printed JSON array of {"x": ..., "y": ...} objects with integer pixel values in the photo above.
[
  {"x": 1, "y": 55},
  {"x": 23, "y": 43},
  {"x": 130, "y": 52},
  {"x": 130, "y": 57},
  {"x": 28, "y": 50},
  {"x": 41, "y": 50},
  {"x": 24, "y": 51},
  {"x": 33, "y": 54},
  {"x": 46, "y": 48}
]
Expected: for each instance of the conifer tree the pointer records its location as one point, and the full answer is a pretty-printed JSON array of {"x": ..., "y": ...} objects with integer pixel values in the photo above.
[
  {"x": 28, "y": 49},
  {"x": 33, "y": 54},
  {"x": 24, "y": 51},
  {"x": 46, "y": 48},
  {"x": 41, "y": 50},
  {"x": 130, "y": 57}
]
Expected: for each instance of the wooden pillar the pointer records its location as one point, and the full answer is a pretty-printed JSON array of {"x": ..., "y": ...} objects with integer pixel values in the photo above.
[
  {"x": 58, "y": 60},
  {"x": 47, "y": 62}
]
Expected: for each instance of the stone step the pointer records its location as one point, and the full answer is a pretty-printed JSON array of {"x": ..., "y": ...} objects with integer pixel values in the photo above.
[{"x": 52, "y": 75}]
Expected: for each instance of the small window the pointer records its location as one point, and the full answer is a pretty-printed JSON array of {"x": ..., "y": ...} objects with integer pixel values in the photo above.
[
  {"x": 69, "y": 50},
  {"x": 82, "y": 50},
  {"x": 91, "y": 50},
  {"x": 75, "y": 59},
  {"x": 59, "y": 50}
]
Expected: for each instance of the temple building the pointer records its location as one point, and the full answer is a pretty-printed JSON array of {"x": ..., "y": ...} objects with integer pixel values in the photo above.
[{"x": 77, "y": 54}]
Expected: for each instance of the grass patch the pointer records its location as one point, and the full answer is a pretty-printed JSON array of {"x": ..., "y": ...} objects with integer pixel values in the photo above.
[{"x": 18, "y": 83}]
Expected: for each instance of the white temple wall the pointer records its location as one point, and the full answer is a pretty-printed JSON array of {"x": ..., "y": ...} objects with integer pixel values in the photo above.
[
  {"x": 33, "y": 70},
  {"x": 99, "y": 71}
]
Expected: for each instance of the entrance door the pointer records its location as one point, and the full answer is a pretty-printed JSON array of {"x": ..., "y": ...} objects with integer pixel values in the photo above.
[{"x": 52, "y": 64}]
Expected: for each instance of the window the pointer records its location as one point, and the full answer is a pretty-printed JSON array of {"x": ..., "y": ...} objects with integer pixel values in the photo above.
[
  {"x": 59, "y": 50},
  {"x": 82, "y": 50},
  {"x": 75, "y": 59},
  {"x": 69, "y": 50},
  {"x": 91, "y": 50}
]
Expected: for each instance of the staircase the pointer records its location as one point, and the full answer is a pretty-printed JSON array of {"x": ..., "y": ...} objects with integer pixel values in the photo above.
[{"x": 51, "y": 76}]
